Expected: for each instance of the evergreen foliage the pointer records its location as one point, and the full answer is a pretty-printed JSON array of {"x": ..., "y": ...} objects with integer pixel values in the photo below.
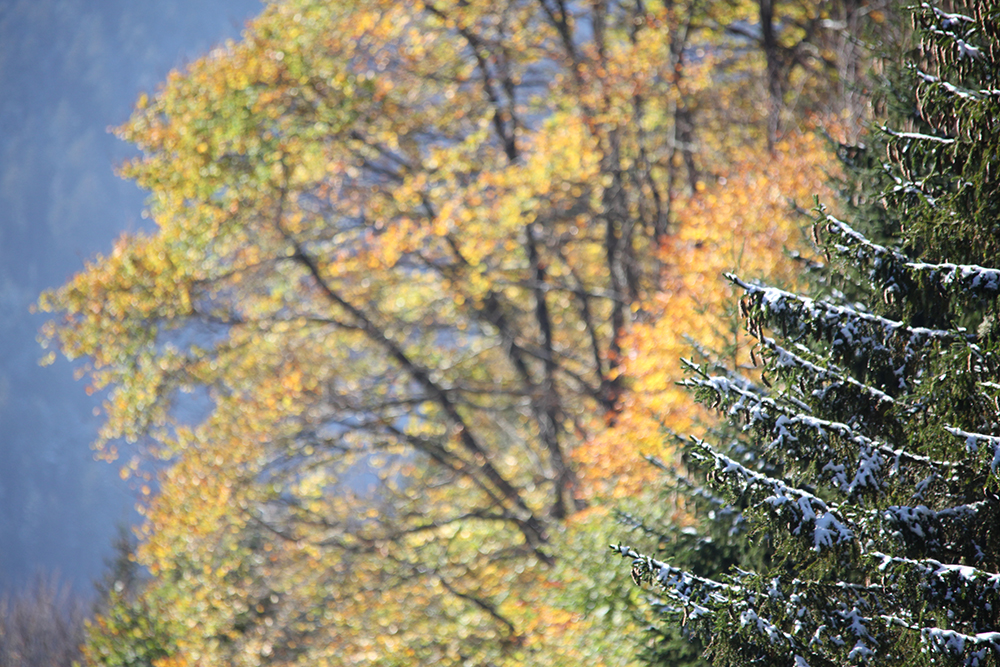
[{"x": 867, "y": 468}]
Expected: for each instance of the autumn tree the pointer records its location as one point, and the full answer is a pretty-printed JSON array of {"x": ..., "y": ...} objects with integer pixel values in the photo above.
[
  {"x": 869, "y": 460},
  {"x": 397, "y": 246},
  {"x": 750, "y": 221}
]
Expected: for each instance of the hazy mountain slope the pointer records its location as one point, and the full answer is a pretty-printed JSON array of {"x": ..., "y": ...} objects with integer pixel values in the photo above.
[{"x": 69, "y": 69}]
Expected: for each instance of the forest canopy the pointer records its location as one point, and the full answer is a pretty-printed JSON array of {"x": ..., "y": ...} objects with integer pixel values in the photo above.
[{"x": 375, "y": 349}]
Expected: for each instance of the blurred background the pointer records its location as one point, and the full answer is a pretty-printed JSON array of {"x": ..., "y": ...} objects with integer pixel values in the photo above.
[{"x": 69, "y": 71}]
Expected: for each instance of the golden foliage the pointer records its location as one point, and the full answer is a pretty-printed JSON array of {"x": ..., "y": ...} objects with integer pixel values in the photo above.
[
  {"x": 398, "y": 249},
  {"x": 749, "y": 221}
]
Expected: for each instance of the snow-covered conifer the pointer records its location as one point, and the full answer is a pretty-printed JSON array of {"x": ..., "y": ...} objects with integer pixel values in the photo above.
[{"x": 867, "y": 464}]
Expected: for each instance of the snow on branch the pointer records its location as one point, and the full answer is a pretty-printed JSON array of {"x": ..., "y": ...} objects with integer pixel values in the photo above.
[
  {"x": 920, "y": 136},
  {"x": 947, "y": 27},
  {"x": 723, "y": 370},
  {"x": 836, "y": 627},
  {"x": 689, "y": 590},
  {"x": 843, "y": 320},
  {"x": 971, "y": 649},
  {"x": 701, "y": 597},
  {"x": 786, "y": 358},
  {"x": 807, "y": 510},
  {"x": 948, "y": 19},
  {"x": 852, "y": 235},
  {"x": 754, "y": 408},
  {"x": 976, "y": 279},
  {"x": 946, "y": 574},
  {"x": 974, "y": 440},
  {"x": 873, "y": 455},
  {"x": 963, "y": 93},
  {"x": 982, "y": 281},
  {"x": 764, "y": 627}
]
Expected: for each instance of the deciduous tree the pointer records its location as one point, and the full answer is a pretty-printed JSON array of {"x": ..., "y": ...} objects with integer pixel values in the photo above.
[{"x": 397, "y": 247}]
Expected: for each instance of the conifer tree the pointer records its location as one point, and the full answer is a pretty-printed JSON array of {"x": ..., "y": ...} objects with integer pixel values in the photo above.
[{"x": 868, "y": 458}]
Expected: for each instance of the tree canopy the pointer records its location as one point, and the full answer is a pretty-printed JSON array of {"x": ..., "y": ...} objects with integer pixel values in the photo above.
[
  {"x": 864, "y": 469},
  {"x": 397, "y": 250}
]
